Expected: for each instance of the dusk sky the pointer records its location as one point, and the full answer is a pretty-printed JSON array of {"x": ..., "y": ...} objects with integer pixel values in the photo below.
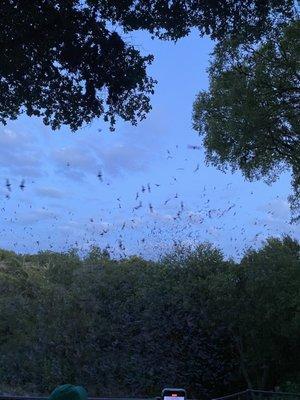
[{"x": 64, "y": 203}]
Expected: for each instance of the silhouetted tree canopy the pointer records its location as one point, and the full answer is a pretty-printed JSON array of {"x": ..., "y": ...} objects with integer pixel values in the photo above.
[
  {"x": 67, "y": 62},
  {"x": 130, "y": 327},
  {"x": 250, "y": 116}
]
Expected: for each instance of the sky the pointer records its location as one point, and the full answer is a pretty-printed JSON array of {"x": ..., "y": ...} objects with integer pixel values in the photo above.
[{"x": 154, "y": 190}]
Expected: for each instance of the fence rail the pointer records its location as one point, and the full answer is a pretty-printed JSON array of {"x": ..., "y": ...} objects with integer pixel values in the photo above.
[
  {"x": 9, "y": 397},
  {"x": 251, "y": 394}
]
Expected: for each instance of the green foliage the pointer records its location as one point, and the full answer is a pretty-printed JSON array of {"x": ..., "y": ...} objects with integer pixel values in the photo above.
[
  {"x": 66, "y": 61},
  {"x": 250, "y": 115},
  {"x": 292, "y": 385},
  {"x": 130, "y": 327},
  {"x": 260, "y": 301},
  {"x": 97, "y": 256}
]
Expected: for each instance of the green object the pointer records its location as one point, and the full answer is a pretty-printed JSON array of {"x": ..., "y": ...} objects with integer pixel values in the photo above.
[
  {"x": 68, "y": 392},
  {"x": 250, "y": 117}
]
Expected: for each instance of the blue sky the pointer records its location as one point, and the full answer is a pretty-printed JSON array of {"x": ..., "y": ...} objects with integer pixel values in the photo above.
[{"x": 64, "y": 204}]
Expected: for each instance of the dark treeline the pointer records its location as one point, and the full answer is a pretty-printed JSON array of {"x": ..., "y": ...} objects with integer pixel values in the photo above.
[{"x": 131, "y": 326}]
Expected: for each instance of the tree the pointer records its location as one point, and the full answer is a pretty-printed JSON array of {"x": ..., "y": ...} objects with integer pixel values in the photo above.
[
  {"x": 258, "y": 300},
  {"x": 129, "y": 327},
  {"x": 66, "y": 61},
  {"x": 250, "y": 116},
  {"x": 96, "y": 256},
  {"x": 269, "y": 313}
]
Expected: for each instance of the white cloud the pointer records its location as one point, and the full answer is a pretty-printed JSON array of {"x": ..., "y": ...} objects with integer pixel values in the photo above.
[
  {"x": 19, "y": 154},
  {"x": 276, "y": 209},
  {"x": 73, "y": 157},
  {"x": 36, "y": 216},
  {"x": 120, "y": 158},
  {"x": 50, "y": 192}
]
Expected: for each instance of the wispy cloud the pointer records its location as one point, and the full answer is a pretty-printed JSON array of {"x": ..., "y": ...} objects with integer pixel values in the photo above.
[
  {"x": 276, "y": 209},
  {"x": 36, "y": 216},
  {"x": 19, "y": 154},
  {"x": 122, "y": 158},
  {"x": 50, "y": 192}
]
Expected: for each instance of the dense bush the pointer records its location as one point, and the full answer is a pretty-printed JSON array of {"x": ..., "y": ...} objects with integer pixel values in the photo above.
[{"x": 131, "y": 326}]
